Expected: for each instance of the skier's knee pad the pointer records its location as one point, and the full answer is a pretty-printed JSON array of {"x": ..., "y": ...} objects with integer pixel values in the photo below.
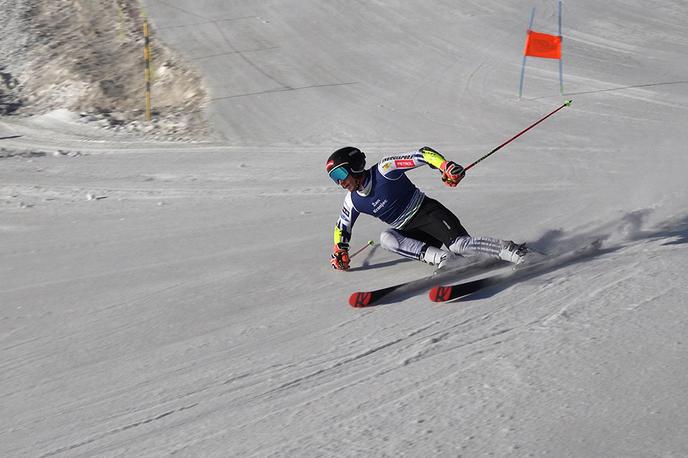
[
  {"x": 389, "y": 240},
  {"x": 393, "y": 241}
]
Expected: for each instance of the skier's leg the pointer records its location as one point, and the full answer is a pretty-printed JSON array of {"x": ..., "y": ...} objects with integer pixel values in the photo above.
[
  {"x": 488, "y": 246},
  {"x": 407, "y": 245},
  {"x": 471, "y": 246},
  {"x": 436, "y": 220}
]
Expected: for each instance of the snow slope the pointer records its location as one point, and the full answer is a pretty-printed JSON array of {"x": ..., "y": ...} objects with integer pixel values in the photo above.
[{"x": 162, "y": 298}]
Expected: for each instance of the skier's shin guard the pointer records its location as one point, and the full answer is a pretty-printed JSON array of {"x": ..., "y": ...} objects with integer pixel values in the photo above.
[{"x": 472, "y": 246}]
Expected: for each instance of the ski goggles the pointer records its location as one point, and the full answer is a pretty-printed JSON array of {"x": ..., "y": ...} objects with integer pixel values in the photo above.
[{"x": 339, "y": 173}]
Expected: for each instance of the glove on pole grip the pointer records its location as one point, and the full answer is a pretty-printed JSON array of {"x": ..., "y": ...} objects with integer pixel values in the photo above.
[
  {"x": 340, "y": 257},
  {"x": 452, "y": 173}
]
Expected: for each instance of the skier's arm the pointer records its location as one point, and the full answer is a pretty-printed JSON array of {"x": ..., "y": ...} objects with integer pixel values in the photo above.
[
  {"x": 431, "y": 157},
  {"x": 408, "y": 161},
  {"x": 452, "y": 172},
  {"x": 392, "y": 167},
  {"x": 342, "y": 234}
]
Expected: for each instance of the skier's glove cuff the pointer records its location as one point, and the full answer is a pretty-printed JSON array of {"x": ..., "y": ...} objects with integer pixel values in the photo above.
[
  {"x": 452, "y": 173},
  {"x": 433, "y": 158}
]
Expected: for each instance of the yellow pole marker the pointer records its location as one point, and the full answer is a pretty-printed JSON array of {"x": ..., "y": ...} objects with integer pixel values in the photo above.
[
  {"x": 147, "y": 71},
  {"x": 120, "y": 15}
]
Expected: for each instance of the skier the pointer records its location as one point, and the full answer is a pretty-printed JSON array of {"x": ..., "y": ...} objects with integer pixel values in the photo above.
[{"x": 419, "y": 225}]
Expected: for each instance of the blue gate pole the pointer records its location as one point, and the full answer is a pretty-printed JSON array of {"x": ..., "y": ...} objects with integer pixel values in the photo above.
[
  {"x": 561, "y": 58},
  {"x": 523, "y": 66}
]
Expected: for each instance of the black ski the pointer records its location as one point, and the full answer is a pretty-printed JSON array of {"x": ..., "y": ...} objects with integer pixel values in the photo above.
[
  {"x": 369, "y": 298},
  {"x": 444, "y": 293}
]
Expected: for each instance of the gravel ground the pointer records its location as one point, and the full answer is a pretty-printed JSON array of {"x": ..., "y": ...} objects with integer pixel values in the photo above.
[{"x": 86, "y": 56}]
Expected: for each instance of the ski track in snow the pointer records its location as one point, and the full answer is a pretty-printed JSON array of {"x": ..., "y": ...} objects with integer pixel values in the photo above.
[{"x": 176, "y": 298}]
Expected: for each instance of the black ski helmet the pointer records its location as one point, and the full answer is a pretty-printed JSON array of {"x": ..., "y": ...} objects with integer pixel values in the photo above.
[{"x": 349, "y": 157}]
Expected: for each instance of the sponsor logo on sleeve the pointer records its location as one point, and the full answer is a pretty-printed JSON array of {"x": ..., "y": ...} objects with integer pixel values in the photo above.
[{"x": 404, "y": 163}]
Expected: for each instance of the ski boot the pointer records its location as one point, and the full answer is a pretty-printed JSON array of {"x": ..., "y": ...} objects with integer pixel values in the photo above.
[
  {"x": 436, "y": 256},
  {"x": 513, "y": 252}
]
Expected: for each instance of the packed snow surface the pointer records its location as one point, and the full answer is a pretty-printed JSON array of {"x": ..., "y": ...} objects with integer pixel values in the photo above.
[{"x": 169, "y": 298}]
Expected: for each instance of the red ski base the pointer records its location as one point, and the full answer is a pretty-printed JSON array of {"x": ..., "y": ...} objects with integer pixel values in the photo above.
[
  {"x": 440, "y": 293},
  {"x": 360, "y": 299}
]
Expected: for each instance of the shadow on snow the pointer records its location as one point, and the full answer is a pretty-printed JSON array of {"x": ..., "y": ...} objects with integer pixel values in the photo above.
[{"x": 616, "y": 235}]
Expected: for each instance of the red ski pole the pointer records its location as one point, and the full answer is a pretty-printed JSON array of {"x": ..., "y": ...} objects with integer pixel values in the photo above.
[
  {"x": 370, "y": 243},
  {"x": 566, "y": 104}
]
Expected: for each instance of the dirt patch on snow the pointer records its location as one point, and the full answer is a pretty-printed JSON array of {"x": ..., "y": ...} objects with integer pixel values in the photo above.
[{"x": 86, "y": 56}]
